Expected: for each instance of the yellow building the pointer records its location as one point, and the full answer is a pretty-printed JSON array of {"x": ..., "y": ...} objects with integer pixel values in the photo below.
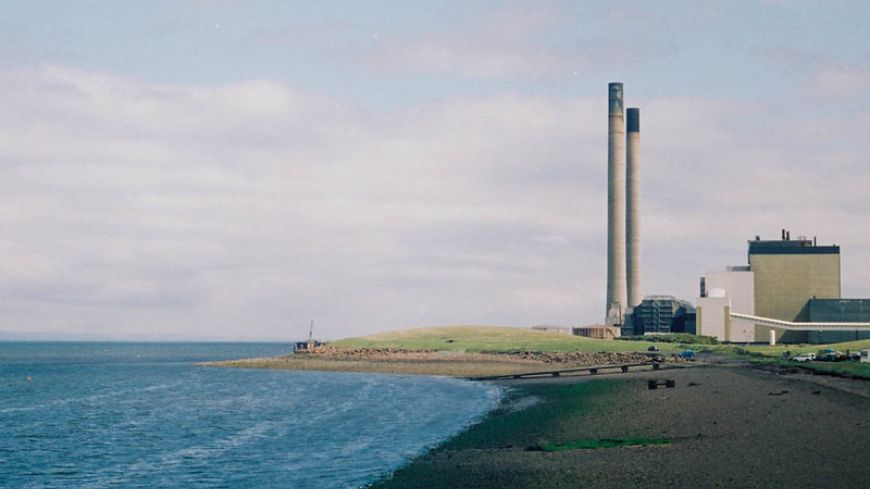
[
  {"x": 788, "y": 273},
  {"x": 789, "y": 293}
]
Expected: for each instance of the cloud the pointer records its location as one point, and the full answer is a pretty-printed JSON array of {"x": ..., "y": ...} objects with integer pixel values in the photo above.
[
  {"x": 242, "y": 208},
  {"x": 511, "y": 43},
  {"x": 838, "y": 83},
  {"x": 249, "y": 208}
]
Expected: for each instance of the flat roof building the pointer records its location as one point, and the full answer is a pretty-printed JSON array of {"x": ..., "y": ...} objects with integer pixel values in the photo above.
[
  {"x": 837, "y": 311},
  {"x": 598, "y": 331},
  {"x": 661, "y": 314},
  {"x": 789, "y": 292},
  {"x": 788, "y": 273}
]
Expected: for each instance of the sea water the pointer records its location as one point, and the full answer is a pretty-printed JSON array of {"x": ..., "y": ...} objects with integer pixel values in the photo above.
[{"x": 91, "y": 415}]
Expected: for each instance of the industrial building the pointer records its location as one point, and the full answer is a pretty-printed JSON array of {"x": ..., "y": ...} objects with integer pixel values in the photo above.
[
  {"x": 658, "y": 314},
  {"x": 552, "y": 329},
  {"x": 837, "y": 310},
  {"x": 789, "y": 292},
  {"x": 627, "y": 312},
  {"x": 789, "y": 272},
  {"x": 597, "y": 331}
]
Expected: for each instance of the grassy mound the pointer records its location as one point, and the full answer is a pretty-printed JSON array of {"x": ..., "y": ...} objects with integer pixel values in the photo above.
[{"x": 488, "y": 339}]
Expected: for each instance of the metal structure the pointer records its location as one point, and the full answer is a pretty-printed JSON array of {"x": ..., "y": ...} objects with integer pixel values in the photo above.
[
  {"x": 801, "y": 326},
  {"x": 653, "y": 364},
  {"x": 662, "y": 314}
]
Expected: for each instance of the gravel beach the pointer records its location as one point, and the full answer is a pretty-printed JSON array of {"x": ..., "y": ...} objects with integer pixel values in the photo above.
[
  {"x": 450, "y": 363},
  {"x": 728, "y": 426}
]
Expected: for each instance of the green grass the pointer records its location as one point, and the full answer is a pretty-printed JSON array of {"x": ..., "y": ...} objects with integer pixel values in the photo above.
[
  {"x": 683, "y": 338},
  {"x": 491, "y": 339},
  {"x": 766, "y": 354},
  {"x": 592, "y": 443},
  {"x": 795, "y": 349},
  {"x": 778, "y": 350},
  {"x": 845, "y": 369}
]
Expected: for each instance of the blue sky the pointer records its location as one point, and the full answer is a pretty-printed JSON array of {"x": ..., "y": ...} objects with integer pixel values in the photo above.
[
  {"x": 235, "y": 169},
  {"x": 733, "y": 49}
]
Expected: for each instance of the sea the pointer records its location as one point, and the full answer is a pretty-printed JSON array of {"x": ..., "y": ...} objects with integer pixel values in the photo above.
[{"x": 147, "y": 415}]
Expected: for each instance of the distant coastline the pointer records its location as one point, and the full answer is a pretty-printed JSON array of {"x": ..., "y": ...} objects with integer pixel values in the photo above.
[{"x": 446, "y": 363}]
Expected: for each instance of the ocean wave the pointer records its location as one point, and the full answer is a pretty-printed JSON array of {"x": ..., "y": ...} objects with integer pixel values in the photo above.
[{"x": 158, "y": 426}]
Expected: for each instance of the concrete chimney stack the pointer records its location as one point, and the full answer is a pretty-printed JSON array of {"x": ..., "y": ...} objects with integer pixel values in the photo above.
[
  {"x": 632, "y": 208},
  {"x": 616, "y": 291}
]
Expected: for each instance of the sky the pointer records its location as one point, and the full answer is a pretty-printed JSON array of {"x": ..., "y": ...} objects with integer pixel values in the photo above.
[{"x": 234, "y": 170}]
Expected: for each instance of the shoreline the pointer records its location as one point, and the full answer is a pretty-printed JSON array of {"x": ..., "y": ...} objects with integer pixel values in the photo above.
[
  {"x": 730, "y": 424},
  {"x": 720, "y": 426},
  {"x": 450, "y": 363}
]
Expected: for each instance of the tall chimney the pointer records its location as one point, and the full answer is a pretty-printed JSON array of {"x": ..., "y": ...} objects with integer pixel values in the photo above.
[
  {"x": 616, "y": 293},
  {"x": 632, "y": 208}
]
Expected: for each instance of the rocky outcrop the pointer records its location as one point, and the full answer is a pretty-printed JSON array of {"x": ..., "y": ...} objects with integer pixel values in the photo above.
[
  {"x": 519, "y": 356},
  {"x": 599, "y": 358}
]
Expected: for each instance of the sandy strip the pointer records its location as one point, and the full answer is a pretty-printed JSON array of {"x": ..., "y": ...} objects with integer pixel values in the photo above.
[
  {"x": 437, "y": 363},
  {"x": 448, "y": 367}
]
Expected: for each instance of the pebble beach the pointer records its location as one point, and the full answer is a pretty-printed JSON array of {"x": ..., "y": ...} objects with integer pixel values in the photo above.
[
  {"x": 721, "y": 424},
  {"x": 726, "y": 426}
]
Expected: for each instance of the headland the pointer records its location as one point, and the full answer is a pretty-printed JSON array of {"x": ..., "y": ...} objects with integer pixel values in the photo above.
[{"x": 463, "y": 351}]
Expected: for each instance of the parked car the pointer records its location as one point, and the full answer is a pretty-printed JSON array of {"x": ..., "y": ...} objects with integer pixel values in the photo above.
[
  {"x": 829, "y": 355},
  {"x": 687, "y": 354},
  {"x": 653, "y": 348},
  {"x": 804, "y": 357}
]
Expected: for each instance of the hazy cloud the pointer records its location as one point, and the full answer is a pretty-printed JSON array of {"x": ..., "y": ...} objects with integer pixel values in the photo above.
[
  {"x": 512, "y": 42},
  {"x": 838, "y": 83},
  {"x": 243, "y": 207},
  {"x": 246, "y": 209}
]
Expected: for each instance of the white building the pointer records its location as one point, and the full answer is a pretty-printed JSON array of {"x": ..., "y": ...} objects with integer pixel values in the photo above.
[
  {"x": 762, "y": 302},
  {"x": 724, "y": 293}
]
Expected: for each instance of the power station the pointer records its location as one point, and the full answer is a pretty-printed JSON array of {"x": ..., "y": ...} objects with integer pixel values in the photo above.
[
  {"x": 789, "y": 291},
  {"x": 623, "y": 208}
]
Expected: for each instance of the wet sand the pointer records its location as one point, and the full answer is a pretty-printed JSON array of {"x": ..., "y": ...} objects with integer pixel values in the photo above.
[{"x": 728, "y": 426}]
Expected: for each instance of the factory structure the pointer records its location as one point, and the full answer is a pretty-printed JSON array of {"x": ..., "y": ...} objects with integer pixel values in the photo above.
[
  {"x": 623, "y": 202},
  {"x": 788, "y": 292},
  {"x": 627, "y": 311}
]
